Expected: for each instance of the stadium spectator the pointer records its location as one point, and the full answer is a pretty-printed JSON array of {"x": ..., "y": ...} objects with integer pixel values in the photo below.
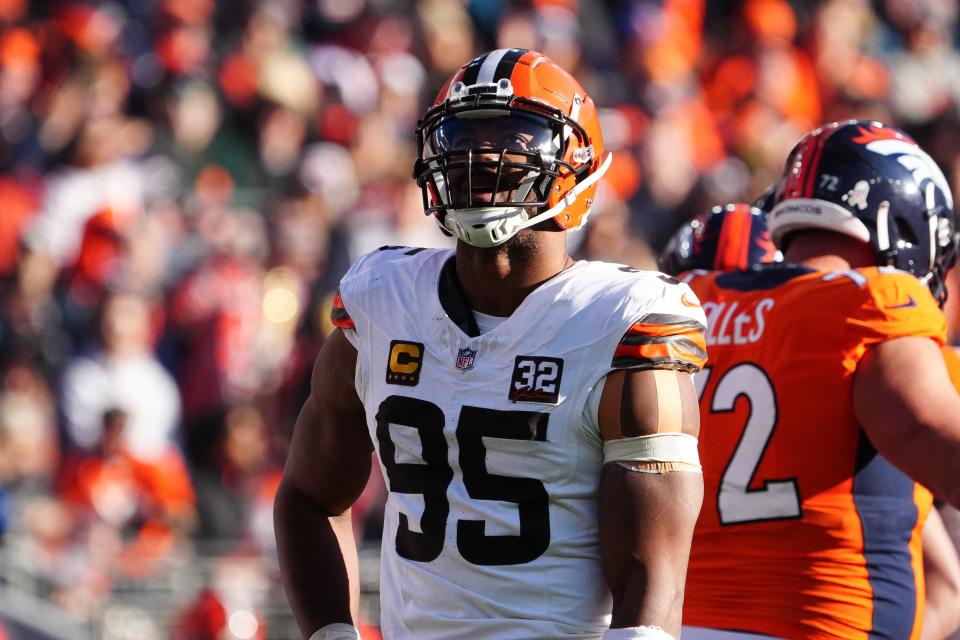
[
  {"x": 229, "y": 607},
  {"x": 122, "y": 373},
  {"x": 235, "y": 481},
  {"x": 722, "y": 240},
  {"x": 122, "y": 489},
  {"x": 148, "y": 504}
]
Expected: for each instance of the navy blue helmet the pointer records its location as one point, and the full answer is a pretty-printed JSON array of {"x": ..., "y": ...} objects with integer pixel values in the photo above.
[
  {"x": 874, "y": 183},
  {"x": 766, "y": 200},
  {"x": 727, "y": 238}
]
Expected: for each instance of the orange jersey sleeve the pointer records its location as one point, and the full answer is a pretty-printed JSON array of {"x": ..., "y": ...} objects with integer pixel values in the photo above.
[{"x": 893, "y": 305}]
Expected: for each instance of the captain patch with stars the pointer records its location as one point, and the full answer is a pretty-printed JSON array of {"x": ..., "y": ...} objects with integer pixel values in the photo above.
[{"x": 404, "y": 362}]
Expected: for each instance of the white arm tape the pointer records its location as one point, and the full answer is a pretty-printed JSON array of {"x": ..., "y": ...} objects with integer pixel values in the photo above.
[
  {"x": 637, "y": 633},
  {"x": 336, "y": 631},
  {"x": 659, "y": 447}
]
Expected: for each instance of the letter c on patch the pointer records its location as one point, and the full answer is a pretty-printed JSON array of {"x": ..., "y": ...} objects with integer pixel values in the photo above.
[{"x": 405, "y": 358}]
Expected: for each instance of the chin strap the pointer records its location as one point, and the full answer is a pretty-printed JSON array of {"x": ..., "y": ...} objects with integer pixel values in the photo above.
[
  {"x": 490, "y": 226},
  {"x": 571, "y": 196}
]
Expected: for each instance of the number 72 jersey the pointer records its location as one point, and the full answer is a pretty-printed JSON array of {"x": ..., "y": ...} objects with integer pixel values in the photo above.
[
  {"x": 489, "y": 443},
  {"x": 806, "y": 531}
]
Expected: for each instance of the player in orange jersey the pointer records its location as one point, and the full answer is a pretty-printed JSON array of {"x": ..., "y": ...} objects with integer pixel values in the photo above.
[
  {"x": 826, "y": 399},
  {"x": 735, "y": 237}
]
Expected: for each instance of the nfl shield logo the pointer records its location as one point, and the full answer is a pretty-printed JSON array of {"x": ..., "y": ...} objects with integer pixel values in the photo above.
[{"x": 465, "y": 359}]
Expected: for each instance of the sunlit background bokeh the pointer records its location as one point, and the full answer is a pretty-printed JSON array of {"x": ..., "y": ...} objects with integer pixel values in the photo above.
[{"x": 182, "y": 183}]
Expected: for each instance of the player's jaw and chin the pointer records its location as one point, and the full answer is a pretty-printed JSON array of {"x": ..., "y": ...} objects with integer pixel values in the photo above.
[{"x": 522, "y": 247}]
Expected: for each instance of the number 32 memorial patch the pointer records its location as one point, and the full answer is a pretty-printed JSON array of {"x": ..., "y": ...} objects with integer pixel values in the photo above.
[{"x": 536, "y": 379}]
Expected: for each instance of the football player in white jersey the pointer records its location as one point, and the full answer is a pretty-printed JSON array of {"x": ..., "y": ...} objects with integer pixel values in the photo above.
[{"x": 534, "y": 417}]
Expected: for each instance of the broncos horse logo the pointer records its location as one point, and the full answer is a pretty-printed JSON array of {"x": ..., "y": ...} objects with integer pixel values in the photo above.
[{"x": 890, "y": 143}]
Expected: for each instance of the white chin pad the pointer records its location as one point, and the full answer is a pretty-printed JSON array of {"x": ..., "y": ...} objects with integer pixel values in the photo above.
[{"x": 485, "y": 227}]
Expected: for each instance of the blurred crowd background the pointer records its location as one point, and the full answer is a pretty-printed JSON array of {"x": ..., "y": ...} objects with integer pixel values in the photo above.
[{"x": 183, "y": 182}]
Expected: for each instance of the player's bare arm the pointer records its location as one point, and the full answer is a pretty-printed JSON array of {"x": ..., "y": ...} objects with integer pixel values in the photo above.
[
  {"x": 327, "y": 468},
  {"x": 910, "y": 410},
  {"x": 650, "y": 494},
  {"x": 941, "y": 572}
]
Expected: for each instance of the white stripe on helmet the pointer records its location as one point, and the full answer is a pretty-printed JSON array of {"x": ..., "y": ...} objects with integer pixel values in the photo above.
[{"x": 489, "y": 66}]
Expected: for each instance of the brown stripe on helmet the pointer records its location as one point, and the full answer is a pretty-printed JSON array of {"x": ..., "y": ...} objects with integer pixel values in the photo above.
[
  {"x": 508, "y": 63},
  {"x": 472, "y": 70}
]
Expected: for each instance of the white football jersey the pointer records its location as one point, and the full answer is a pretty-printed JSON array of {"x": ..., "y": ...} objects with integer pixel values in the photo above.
[{"x": 489, "y": 443}]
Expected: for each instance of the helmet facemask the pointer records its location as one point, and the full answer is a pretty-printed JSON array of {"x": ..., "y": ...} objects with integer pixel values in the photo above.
[
  {"x": 947, "y": 244},
  {"x": 924, "y": 246},
  {"x": 488, "y": 164}
]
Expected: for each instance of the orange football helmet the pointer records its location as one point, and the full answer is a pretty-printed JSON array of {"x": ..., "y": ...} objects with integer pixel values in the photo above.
[{"x": 511, "y": 140}]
